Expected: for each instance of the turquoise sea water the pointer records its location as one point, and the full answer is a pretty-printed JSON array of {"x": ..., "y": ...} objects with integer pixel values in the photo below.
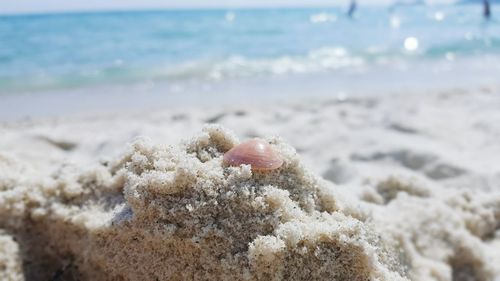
[{"x": 78, "y": 50}]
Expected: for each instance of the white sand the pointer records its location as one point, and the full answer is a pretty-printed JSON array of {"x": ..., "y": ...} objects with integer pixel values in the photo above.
[{"x": 412, "y": 191}]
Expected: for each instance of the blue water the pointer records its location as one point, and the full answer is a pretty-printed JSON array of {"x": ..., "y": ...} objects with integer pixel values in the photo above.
[{"x": 62, "y": 51}]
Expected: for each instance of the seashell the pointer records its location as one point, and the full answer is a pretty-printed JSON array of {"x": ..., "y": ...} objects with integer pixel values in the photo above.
[{"x": 256, "y": 153}]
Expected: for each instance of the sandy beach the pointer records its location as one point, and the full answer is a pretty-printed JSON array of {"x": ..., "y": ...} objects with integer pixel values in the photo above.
[
  {"x": 401, "y": 186},
  {"x": 249, "y": 140}
]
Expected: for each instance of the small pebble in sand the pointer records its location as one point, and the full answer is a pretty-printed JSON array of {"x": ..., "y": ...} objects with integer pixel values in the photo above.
[{"x": 256, "y": 153}]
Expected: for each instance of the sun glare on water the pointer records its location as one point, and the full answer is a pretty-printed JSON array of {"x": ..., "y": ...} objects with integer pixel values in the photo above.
[{"x": 411, "y": 44}]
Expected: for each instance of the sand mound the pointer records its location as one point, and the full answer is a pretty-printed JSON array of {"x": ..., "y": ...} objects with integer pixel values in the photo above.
[{"x": 177, "y": 213}]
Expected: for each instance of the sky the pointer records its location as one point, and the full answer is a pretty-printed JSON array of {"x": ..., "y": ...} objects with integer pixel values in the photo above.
[{"x": 41, "y": 6}]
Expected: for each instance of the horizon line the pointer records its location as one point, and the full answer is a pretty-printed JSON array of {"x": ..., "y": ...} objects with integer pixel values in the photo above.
[{"x": 179, "y": 8}]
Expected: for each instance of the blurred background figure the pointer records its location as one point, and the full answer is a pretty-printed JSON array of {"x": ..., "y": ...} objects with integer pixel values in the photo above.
[
  {"x": 486, "y": 9},
  {"x": 352, "y": 8}
]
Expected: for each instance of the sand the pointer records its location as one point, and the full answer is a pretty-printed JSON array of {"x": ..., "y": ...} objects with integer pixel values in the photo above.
[{"x": 397, "y": 187}]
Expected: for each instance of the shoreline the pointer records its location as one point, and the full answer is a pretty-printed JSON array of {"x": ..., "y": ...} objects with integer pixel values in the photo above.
[{"x": 256, "y": 91}]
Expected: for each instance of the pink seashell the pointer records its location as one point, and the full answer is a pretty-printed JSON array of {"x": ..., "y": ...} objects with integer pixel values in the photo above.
[{"x": 256, "y": 153}]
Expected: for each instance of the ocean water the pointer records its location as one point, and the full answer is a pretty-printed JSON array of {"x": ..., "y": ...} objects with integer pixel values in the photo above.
[{"x": 81, "y": 50}]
